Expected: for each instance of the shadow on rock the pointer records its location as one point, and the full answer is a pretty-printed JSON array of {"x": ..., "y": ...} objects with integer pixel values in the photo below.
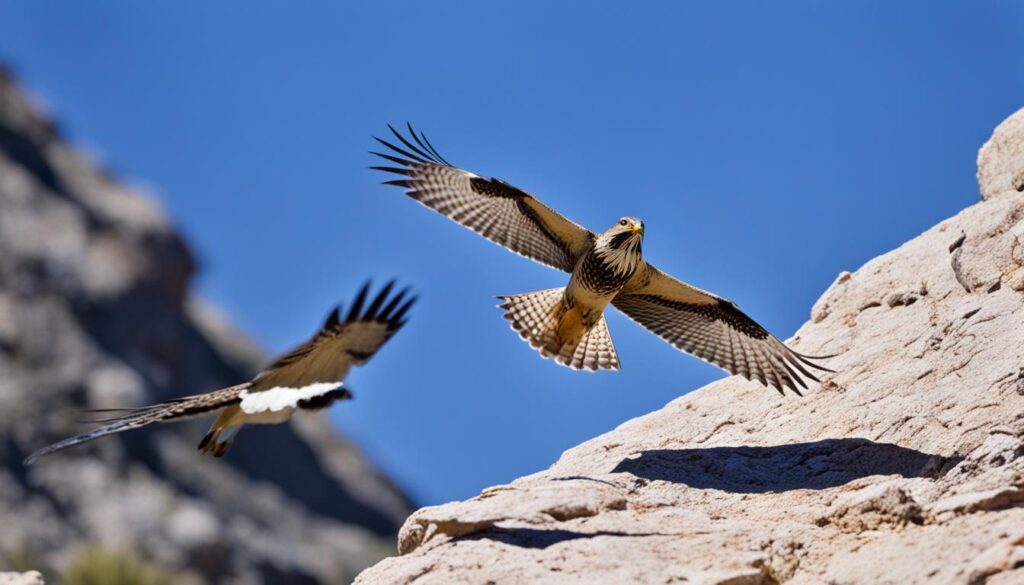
[
  {"x": 540, "y": 539},
  {"x": 818, "y": 465}
]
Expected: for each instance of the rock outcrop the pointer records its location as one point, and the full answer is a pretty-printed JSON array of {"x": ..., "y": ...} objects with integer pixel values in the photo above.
[
  {"x": 96, "y": 312},
  {"x": 905, "y": 466},
  {"x": 30, "y": 578}
]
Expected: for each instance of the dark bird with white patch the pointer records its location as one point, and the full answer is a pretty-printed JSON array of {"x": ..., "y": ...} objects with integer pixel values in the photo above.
[
  {"x": 567, "y": 324},
  {"x": 308, "y": 377}
]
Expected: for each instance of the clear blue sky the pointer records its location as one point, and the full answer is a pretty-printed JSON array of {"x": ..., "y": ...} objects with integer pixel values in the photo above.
[{"x": 768, "y": 146}]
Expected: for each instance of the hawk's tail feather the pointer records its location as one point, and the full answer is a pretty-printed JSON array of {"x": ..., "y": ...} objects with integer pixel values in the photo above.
[
  {"x": 172, "y": 410},
  {"x": 542, "y": 320},
  {"x": 595, "y": 351}
]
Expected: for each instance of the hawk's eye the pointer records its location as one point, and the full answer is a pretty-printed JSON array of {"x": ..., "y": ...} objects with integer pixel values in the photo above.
[{"x": 622, "y": 222}]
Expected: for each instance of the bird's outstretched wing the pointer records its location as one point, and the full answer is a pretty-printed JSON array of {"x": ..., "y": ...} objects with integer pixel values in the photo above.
[
  {"x": 494, "y": 209},
  {"x": 340, "y": 344},
  {"x": 308, "y": 377},
  {"x": 713, "y": 329}
]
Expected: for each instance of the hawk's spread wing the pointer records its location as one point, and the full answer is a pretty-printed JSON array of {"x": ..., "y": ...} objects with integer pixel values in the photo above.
[
  {"x": 340, "y": 344},
  {"x": 711, "y": 328},
  {"x": 494, "y": 209}
]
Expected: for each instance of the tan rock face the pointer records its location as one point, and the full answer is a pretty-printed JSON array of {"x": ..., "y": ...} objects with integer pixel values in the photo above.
[
  {"x": 906, "y": 466},
  {"x": 999, "y": 170}
]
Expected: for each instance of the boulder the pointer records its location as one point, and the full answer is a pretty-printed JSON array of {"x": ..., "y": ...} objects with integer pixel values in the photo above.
[{"x": 29, "y": 578}]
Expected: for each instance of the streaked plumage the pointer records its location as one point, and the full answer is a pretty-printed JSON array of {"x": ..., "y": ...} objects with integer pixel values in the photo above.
[
  {"x": 308, "y": 377},
  {"x": 568, "y": 324}
]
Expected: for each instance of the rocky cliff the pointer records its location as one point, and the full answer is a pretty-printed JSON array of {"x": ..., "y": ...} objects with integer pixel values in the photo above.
[
  {"x": 905, "y": 466},
  {"x": 96, "y": 312}
]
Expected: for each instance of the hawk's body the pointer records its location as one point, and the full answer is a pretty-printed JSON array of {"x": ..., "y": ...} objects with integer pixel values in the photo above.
[
  {"x": 568, "y": 324},
  {"x": 307, "y": 378}
]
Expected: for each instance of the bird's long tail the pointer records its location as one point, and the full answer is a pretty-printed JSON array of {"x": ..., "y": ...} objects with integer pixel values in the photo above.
[
  {"x": 166, "y": 411},
  {"x": 543, "y": 321}
]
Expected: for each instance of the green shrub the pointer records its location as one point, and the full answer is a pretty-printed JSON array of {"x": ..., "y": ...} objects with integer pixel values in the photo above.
[{"x": 95, "y": 566}]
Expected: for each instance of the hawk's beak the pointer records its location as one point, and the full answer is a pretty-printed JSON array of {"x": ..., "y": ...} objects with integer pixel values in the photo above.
[{"x": 636, "y": 227}]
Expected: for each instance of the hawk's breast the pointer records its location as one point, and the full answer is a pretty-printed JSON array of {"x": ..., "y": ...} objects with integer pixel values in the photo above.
[{"x": 606, "y": 274}]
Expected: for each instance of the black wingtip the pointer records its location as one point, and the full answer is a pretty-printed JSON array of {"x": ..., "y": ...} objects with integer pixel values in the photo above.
[
  {"x": 372, "y": 310},
  {"x": 410, "y": 145},
  {"x": 793, "y": 380},
  {"x": 417, "y": 150},
  {"x": 424, "y": 144},
  {"x": 817, "y": 357},
  {"x": 357, "y": 306},
  {"x": 383, "y": 308},
  {"x": 818, "y": 367},
  {"x": 779, "y": 389},
  {"x": 334, "y": 319},
  {"x": 399, "y": 150},
  {"x": 395, "y": 170},
  {"x": 434, "y": 150},
  {"x": 397, "y": 318},
  {"x": 385, "y": 313},
  {"x": 808, "y": 360},
  {"x": 393, "y": 159}
]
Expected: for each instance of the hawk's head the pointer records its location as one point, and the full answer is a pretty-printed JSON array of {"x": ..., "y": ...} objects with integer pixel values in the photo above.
[
  {"x": 620, "y": 244},
  {"x": 627, "y": 232}
]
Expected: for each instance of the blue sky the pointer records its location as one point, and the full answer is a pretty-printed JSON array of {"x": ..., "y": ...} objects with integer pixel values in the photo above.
[{"x": 767, "y": 147}]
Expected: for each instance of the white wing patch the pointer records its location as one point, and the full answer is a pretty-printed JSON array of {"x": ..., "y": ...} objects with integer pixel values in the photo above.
[{"x": 282, "y": 397}]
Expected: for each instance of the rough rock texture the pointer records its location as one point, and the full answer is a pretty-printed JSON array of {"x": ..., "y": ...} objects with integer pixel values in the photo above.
[
  {"x": 906, "y": 466},
  {"x": 999, "y": 170},
  {"x": 95, "y": 312}
]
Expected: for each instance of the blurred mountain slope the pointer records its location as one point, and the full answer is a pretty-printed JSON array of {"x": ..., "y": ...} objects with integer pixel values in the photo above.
[{"x": 96, "y": 312}]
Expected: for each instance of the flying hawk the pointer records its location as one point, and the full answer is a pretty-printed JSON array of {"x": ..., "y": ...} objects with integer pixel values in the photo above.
[
  {"x": 568, "y": 324},
  {"x": 308, "y": 377}
]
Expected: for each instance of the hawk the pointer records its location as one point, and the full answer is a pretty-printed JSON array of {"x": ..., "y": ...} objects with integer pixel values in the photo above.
[
  {"x": 567, "y": 324},
  {"x": 308, "y": 377}
]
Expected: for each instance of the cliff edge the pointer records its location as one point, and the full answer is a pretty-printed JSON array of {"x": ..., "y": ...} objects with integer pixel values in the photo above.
[{"x": 906, "y": 466}]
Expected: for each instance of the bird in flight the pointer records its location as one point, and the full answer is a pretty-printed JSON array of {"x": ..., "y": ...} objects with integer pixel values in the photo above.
[
  {"x": 567, "y": 324},
  {"x": 308, "y": 377}
]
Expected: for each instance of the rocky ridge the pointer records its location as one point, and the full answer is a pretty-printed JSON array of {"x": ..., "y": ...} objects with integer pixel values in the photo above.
[
  {"x": 96, "y": 312},
  {"x": 905, "y": 466}
]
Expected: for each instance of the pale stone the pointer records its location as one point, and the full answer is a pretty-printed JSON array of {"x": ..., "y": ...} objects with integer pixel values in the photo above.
[
  {"x": 999, "y": 161},
  {"x": 29, "y": 578}
]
